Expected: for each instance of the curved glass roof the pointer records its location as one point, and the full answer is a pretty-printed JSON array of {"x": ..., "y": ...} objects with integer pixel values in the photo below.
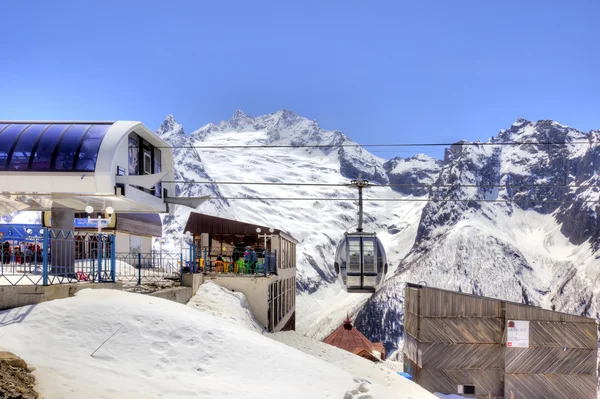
[{"x": 51, "y": 146}]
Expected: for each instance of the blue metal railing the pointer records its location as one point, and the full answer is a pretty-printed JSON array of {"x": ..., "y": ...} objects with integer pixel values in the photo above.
[{"x": 64, "y": 257}]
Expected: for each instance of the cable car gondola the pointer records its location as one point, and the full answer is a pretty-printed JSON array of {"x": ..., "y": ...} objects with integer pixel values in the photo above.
[{"x": 360, "y": 260}]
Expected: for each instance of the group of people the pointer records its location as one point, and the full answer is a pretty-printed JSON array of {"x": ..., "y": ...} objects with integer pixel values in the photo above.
[
  {"x": 23, "y": 252},
  {"x": 250, "y": 257}
]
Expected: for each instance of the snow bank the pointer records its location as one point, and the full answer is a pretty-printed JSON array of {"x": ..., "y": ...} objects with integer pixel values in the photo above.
[
  {"x": 112, "y": 344},
  {"x": 388, "y": 382},
  {"x": 442, "y": 396},
  {"x": 230, "y": 306}
]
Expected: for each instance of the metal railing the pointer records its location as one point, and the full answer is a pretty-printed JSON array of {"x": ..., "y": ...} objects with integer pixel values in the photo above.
[
  {"x": 57, "y": 257},
  {"x": 263, "y": 266},
  {"x": 148, "y": 267}
]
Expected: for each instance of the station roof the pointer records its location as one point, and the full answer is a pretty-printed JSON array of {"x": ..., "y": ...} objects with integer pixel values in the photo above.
[
  {"x": 54, "y": 146},
  {"x": 199, "y": 223}
]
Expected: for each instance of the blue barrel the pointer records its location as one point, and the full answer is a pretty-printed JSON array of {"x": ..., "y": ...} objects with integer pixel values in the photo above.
[{"x": 405, "y": 375}]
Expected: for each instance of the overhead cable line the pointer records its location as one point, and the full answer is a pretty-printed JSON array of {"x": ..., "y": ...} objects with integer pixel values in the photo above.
[
  {"x": 416, "y": 185},
  {"x": 401, "y": 200},
  {"x": 469, "y": 143}
]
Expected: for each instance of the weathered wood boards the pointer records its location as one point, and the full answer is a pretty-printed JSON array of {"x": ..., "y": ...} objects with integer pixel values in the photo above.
[
  {"x": 461, "y": 330},
  {"x": 486, "y": 382},
  {"x": 532, "y": 386},
  {"x": 457, "y": 339}
]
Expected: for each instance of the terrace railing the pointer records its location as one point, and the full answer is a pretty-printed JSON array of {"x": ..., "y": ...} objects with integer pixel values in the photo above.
[{"x": 56, "y": 256}]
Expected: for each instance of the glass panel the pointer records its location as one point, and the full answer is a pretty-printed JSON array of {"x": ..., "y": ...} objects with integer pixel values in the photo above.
[
  {"x": 43, "y": 154},
  {"x": 22, "y": 152},
  {"x": 147, "y": 162},
  {"x": 7, "y": 139},
  {"x": 369, "y": 256},
  {"x": 134, "y": 153},
  {"x": 369, "y": 281},
  {"x": 65, "y": 155},
  {"x": 90, "y": 146},
  {"x": 354, "y": 282},
  {"x": 354, "y": 255},
  {"x": 157, "y": 169}
]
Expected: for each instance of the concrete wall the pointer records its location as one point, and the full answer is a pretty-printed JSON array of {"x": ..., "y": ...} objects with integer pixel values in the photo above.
[
  {"x": 190, "y": 285},
  {"x": 23, "y": 295},
  {"x": 193, "y": 280},
  {"x": 256, "y": 290},
  {"x": 179, "y": 294}
]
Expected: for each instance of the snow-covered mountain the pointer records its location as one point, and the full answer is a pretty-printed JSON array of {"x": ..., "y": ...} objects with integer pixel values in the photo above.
[
  {"x": 536, "y": 250},
  {"x": 317, "y": 224}
]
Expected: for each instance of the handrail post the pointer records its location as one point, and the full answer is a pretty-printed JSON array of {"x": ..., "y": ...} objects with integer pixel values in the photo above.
[
  {"x": 181, "y": 268},
  {"x": 113, "y": 259},
  {"x": 100, "y": 253},
  {"x": 139, "y": 268},
  {"x": 45, "y": 257}
]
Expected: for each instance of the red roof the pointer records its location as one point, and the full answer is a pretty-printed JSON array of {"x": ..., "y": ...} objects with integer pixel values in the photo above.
[{"x": 348, "y": 338}]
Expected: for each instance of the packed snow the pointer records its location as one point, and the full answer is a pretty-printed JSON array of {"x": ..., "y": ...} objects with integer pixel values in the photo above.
[
  {"x": 230, "y": 306},
  {"x": 233, "y": 307},
  {"x": 112, "y": 344}
]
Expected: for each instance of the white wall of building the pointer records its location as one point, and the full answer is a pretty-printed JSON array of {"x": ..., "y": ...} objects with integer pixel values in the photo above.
[
  {"x": 256, "y": 290},
  {"x": 124, "y": 243}
]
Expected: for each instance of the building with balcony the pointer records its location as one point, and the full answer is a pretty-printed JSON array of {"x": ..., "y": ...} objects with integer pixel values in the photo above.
[{"x": 223, "y": 247}]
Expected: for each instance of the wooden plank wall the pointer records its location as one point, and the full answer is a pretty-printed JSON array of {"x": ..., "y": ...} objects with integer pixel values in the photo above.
[
  {"x": 461, "y": 357},
  {"x": 534, "y": 386},
  {"x": 411, "y": 324},
  {"x": 453, "y": 339},
  {"x": 461, "y": 330},
  {"x": 561, "y": 360},
  {"x": 523, "y": 312},
  {"x": 486, "y": 382},
  {"x": 411, "y": 349},
  {"x": 458, "y": 341},
  {"x": 438, "y": 303}
]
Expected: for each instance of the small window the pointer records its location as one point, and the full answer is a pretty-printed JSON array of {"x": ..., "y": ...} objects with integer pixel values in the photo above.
[
  {"x": 466, "y": 389},
  {"x": 147, "y": 162}
]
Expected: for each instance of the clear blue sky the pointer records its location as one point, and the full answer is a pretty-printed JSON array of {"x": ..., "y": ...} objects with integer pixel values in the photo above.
[{"x": 397, "y": 71}]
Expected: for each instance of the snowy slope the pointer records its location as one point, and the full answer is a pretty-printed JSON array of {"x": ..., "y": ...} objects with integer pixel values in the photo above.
[
  {"x": 363, "y": 369},
  {"x": 230, "y": 306},
  {"x": 111, "y": 344}
]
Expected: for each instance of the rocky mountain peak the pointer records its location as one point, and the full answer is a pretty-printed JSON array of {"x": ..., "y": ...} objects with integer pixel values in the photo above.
[{"x": 170, "y": 129}]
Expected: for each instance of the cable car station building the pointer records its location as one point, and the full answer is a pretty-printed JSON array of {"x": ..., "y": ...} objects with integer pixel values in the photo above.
[
  {"x": 271, "y": 292},
  {"x": 66, "y": 168}
]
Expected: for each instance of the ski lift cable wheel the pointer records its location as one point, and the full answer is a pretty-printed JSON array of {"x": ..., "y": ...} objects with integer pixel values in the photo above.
[{"x": 360, "y": 260}]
